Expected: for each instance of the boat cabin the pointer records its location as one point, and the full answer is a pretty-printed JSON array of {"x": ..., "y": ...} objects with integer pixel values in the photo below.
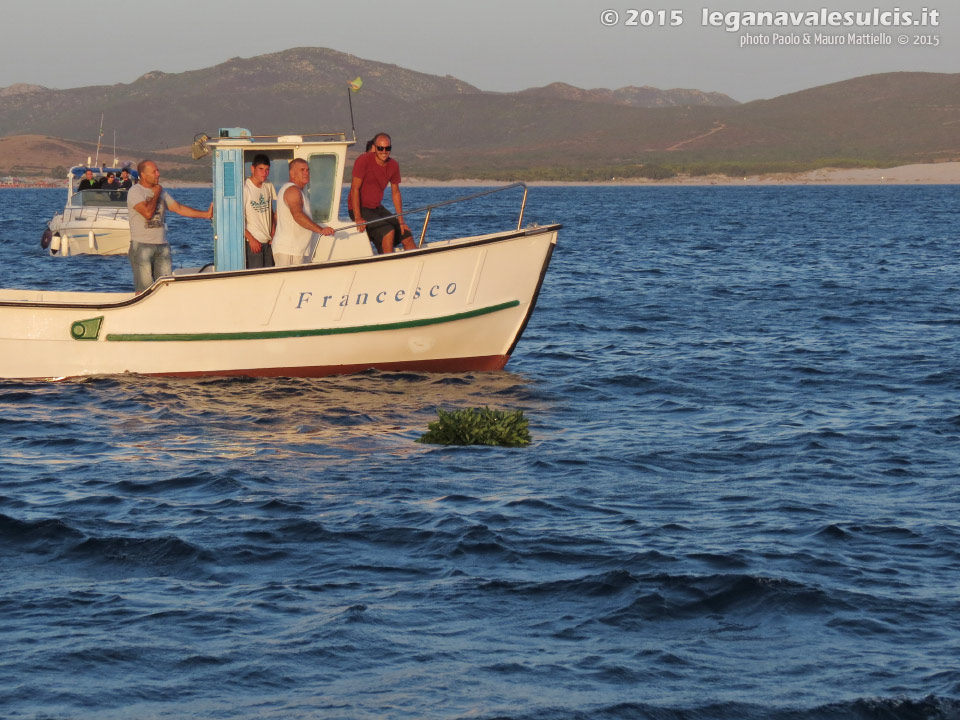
[{"x": 326, "y": 155}]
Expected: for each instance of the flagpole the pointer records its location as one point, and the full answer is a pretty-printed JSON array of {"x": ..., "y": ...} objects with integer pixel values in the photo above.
[
  {"x": 352, "y": 126},
  {"x": 352, "y": 87}
]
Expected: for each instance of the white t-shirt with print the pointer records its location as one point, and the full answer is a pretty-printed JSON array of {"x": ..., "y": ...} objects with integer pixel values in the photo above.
[{"x": 258, "y": 208}]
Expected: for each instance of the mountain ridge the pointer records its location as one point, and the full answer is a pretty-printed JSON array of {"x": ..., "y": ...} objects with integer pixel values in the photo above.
[{"x": 444, "y": 127}]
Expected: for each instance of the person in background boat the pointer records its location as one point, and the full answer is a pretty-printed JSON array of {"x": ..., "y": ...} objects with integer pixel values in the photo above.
[
  {"x": 148, "y": 201},
  {"x": 372, "y": 172},
  {"x": 259, "y": 217},
  {"x": 295, "y": 227},
  {"x": 111, "y": 184},
  {"x": 87, "y": 183},
  {"x": 125, "y": 181}
]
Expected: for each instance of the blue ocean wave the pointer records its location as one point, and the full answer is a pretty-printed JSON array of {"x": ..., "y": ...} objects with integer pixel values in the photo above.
[{"x": 739, "y": 501}]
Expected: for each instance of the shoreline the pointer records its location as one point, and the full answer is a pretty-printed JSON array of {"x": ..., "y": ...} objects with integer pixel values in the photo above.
[{"x": 946, "y": 173}]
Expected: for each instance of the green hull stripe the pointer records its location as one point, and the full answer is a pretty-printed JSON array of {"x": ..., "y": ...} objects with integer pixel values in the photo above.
[{"x": 271, "y": 334}]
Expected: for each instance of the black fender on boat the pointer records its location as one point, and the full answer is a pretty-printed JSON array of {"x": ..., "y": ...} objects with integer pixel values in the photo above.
[{"x": 46, "y": 238}]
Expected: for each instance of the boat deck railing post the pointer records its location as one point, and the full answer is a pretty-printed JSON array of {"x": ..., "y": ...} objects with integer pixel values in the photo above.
[
  {"x": 523, "y": 205},
  {"x": 423, "y": 232}
]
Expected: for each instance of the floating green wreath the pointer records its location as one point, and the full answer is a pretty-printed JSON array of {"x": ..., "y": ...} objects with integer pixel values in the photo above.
[{"x": 478, "y": 426}]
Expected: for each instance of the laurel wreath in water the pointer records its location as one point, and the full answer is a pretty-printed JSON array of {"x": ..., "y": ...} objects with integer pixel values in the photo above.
[{"x": 478, "y": 426}]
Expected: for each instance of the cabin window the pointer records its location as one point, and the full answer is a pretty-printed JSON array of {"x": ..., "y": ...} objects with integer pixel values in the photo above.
[
  {"x": 279, "y": 160},
  {"x": 323, "y": 185}
]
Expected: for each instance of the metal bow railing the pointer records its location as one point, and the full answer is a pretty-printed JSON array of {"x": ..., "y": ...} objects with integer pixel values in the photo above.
[{"x": 430, "y": 208}]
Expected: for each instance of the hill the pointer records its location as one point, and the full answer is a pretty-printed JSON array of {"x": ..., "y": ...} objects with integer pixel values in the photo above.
[
  {"x": 42, "y": 155},
  {"x": 879, "y": 120},
  {"x": 444, "y": 127}
]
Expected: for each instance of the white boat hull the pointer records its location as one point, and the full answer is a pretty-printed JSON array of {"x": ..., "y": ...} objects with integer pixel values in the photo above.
[
  {"x": 454, "y": 306},
  {"x": 93, "y": 221},
  {"x": 90, "y": 236}
]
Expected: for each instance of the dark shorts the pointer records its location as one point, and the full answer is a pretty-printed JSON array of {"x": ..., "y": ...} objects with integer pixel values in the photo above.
[
  {"x": 378, "y": 229},
  {"x": 264, "y": 258}
]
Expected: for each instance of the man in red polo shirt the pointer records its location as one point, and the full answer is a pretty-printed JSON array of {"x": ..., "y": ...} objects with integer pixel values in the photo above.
[{"x": 372, "y": 172}]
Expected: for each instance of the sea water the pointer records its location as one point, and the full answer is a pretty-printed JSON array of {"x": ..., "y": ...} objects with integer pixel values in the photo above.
[{"x": 742, "y": 499}]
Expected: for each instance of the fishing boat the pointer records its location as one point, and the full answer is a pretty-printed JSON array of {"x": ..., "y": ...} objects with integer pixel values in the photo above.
[
  {"x": 450, "y": 305},
  {"x": 93, "y": 221}
]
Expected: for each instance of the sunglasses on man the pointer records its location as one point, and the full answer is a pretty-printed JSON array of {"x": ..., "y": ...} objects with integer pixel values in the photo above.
[{"x": 383, "y": 148}]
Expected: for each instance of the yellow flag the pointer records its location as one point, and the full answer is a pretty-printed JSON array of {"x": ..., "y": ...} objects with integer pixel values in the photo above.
[{"x": 356, "y": 84}]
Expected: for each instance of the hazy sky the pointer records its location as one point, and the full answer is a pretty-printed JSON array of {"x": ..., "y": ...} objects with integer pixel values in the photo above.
[{"x": 499, "y": 45}]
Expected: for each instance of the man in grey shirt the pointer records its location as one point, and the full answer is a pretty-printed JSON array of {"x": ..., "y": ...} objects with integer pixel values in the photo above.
[{"x": 148, "y": 202}]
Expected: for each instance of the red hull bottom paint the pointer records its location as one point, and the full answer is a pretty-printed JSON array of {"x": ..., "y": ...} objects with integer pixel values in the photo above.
[{"x": 483, "y": 362}]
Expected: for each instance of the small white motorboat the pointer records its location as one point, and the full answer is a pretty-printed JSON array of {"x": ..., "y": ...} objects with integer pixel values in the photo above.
[
  {"x": 449, "y": 305},
  {"x": 93, "y": 221}
]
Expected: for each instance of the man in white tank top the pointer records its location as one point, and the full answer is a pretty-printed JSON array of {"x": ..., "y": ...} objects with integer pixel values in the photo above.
[{"x": 295, "y": 227}]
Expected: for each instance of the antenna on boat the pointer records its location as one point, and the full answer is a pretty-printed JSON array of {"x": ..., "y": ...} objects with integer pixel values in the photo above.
[
  {"x": 99, "y": 138},
  {"x": 352, "y": 87},
  {"x": 115, "y": 161}
]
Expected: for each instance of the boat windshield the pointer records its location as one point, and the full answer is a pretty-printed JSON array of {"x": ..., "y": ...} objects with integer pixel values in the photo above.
[{"x": 101, "y": 198}]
